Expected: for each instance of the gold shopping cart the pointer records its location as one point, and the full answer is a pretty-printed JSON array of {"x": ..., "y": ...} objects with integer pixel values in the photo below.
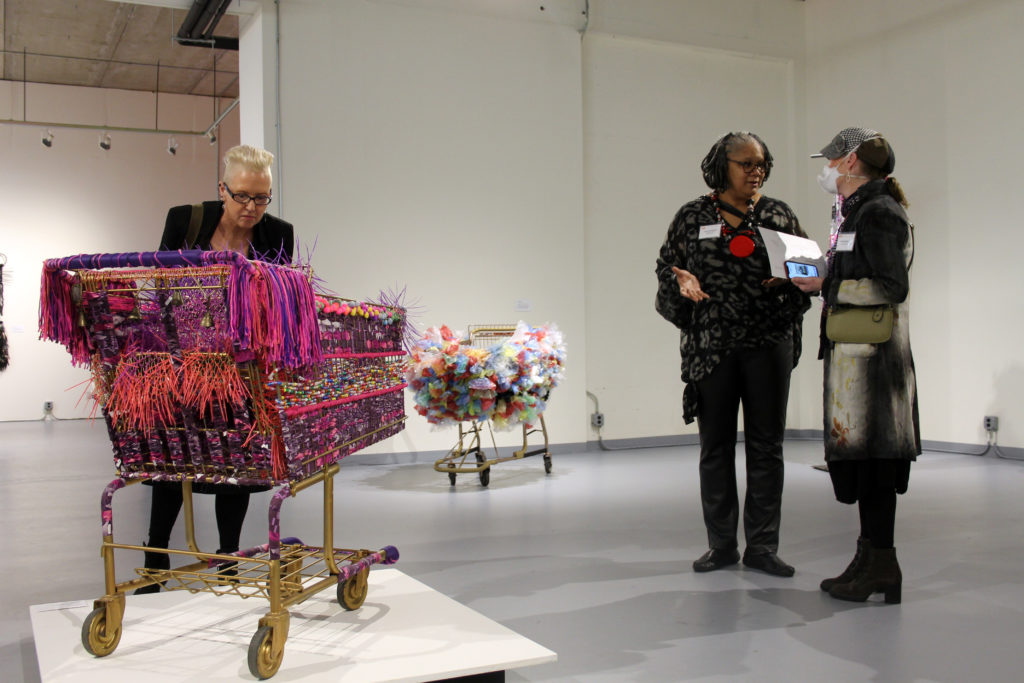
[
  {"x": 214, "y": 369},
  {"x": 468, "y": 455}
]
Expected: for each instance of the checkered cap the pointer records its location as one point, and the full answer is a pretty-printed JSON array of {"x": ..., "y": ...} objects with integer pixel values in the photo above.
[{"x": 846, "y": 141}]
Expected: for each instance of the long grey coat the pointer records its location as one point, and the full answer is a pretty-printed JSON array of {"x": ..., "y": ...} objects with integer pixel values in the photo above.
[{"x": 871, "y": 389}]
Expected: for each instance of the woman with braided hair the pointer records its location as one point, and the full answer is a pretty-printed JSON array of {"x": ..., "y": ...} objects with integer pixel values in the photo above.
[{"x": 740, "y": 333}]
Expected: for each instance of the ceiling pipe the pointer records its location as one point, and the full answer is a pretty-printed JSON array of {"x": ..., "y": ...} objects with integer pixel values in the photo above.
[
  {"x": 191, "y": 19},
  {"x": 164, "y": 67},
  {"x": 208, "y": 133},
  {"x": 199, "y": 24},
  {"x": 221, "y": 117},
  {"x": 212, "y": 15},
  {"x": 216, "y": 42},
  {"x": 114, "y": 129}
]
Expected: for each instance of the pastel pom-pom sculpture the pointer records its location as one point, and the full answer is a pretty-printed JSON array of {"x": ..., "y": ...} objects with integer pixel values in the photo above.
[{"x": 507, "y": 383}]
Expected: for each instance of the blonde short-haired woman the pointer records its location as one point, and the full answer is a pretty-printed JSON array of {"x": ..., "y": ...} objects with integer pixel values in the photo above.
[{"x": 239, "y": 222}]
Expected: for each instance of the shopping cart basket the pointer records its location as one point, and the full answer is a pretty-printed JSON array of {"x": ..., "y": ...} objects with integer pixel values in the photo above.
[{"x": 211, "y": 368}]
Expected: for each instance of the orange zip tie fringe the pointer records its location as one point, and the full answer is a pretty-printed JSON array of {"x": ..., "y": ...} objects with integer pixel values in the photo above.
[
  {"x": 209, "y": 381},
  {"x": 144, "y": 392}
]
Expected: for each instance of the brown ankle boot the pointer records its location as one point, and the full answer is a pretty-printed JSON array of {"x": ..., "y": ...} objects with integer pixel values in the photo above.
[
  {"x": 859, "y": 561},
  {"x": 881, "y": 575}
]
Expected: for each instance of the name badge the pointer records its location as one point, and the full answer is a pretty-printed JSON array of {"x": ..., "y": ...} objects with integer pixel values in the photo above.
[
  {"x": 712, "y": 231},
  {"x": 845, "y": 241}
]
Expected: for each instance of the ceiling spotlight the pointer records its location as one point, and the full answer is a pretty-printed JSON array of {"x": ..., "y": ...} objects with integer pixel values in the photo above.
[
  {"x": 105, "y": 142},
  {"x": 213, "y": 138},
  {"x": 47, "y": 139},
  {"x": 172, "y": 146}
]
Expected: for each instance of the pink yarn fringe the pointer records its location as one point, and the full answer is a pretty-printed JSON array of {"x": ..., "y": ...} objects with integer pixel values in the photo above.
[
  {"x": 57, "y": 319},
  {"x": 273, "y": 313}
]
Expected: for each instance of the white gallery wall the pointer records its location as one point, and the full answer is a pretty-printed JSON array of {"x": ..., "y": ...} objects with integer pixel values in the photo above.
[
  {"x": 941, "y": 79},
  {"x": 74, "y": 198},
  {"x": 641, "y": 164},
  {"x": 483, "y": 153},
  {"x": 405, "y": 105},
  {"x": 438, "y": 149}
]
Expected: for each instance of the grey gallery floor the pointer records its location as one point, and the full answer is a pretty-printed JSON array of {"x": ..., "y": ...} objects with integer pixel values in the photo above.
[{"x": 591, "y": 561}]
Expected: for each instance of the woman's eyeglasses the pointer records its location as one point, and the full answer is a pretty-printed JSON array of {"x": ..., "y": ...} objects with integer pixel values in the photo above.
[
  {"x": 751, "y": 166},
  {"x": 243, "y": 198}
]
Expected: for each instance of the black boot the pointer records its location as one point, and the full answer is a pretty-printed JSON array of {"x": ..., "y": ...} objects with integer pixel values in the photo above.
[
  {"x": 154, "y": 561},
  {"x": 881, "y": 575},
  {"x": 228, "y": 568},
  {"x": 716, "y": 558},
  {"x": 769, "y": 563},
  {"x": 860, "y": 560}
]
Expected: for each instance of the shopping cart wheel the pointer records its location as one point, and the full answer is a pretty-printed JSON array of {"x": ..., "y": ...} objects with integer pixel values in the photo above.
[
  {"x": 97, "y": 639},
  {"x": 451, "y": 478},
  {"x": 352, "y": 591},
  {"x": 262, "y": 663},
  {"x": 485, "y": 473},
  {"x": 547, "y": 464}
]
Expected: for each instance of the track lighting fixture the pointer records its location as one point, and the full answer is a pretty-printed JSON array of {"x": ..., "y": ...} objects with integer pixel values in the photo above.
[
  {"x": 105, "y": 142},
  {"x": 47, "y": 139},
  {"x": 172, "y": 146}
]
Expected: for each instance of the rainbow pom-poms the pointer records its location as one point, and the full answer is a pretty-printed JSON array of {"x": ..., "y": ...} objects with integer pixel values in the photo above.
[{"x": 507, "y": 383}]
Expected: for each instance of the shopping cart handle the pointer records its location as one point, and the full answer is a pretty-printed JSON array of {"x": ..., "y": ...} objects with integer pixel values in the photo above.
[
  {"x": 386, "y": 555},
  {"x": 147, "y": 259}
]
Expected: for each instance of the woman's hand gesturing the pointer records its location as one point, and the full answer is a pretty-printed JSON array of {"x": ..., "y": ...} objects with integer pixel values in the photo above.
[{"x": 689, "y": 286}]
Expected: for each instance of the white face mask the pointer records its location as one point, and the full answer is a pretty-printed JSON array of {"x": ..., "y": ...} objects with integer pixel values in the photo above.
[
  {"x": 828, "y": 178},
  {"x": 830, "y": 175}
]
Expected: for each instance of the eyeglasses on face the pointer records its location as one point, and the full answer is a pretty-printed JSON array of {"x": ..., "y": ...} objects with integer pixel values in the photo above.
[
  {"x": 243, "y": 198},
  {"x": 751, "y": 166}
]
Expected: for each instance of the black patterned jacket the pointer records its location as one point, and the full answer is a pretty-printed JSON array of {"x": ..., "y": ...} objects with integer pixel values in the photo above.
[{"x": 742, "y": 313}]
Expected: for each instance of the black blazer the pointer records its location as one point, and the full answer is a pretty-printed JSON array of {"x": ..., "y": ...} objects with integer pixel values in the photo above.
[{"x": 269, "y": 237}]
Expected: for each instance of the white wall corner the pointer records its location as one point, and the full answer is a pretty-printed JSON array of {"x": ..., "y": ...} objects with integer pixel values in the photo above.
[{"x": 257, "y": 85}]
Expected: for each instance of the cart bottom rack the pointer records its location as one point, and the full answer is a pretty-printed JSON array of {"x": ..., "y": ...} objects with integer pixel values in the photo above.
[
  {"x": 284, "y": 571},
  {"x": 468, "y": 456}
]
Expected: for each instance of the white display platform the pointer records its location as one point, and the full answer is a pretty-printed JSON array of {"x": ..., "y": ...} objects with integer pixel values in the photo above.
[{"x": 405, "y": 631}]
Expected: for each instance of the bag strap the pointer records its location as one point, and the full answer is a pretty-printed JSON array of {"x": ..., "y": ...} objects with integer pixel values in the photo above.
[
  {"x": 913, "y": 245},
  {"x": 195, "y": 222},
  {"x": 729, "y": 208}
]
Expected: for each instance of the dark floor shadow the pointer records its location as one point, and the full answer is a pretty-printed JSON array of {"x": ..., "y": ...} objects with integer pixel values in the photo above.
[{"x": 624, "y": 633}]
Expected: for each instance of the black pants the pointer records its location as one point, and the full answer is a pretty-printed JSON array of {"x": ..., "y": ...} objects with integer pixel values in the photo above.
[
  {"x": 230, "y": 509},
  {"x": 759, "y": 380}
]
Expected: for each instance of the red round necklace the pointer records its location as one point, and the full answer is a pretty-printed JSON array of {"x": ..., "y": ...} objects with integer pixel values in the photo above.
[{"x": 741, "y": 240}]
